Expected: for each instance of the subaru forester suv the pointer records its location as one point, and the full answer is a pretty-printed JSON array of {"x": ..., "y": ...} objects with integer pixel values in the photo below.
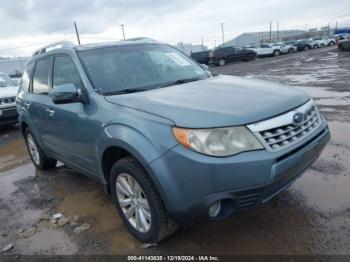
[{"x": 171, "y": 142}]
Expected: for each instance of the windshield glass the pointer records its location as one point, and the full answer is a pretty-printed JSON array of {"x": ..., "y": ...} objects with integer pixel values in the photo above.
[
  {"x": 143, "y": 67},
  {"x": 6, "y": 81}
]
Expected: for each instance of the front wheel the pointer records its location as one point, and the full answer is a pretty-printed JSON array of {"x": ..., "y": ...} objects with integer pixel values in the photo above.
[
  {"x": 39, "y": 159},
  {"x": 306, "y": 48},
  {"x": 276, "y": 53},
  {"x": 139, "y": 203}
]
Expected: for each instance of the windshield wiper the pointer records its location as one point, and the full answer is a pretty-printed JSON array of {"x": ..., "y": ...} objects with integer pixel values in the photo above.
[
  {"x": 124, "y": 91},
  {"x": 180, "y": 81}
]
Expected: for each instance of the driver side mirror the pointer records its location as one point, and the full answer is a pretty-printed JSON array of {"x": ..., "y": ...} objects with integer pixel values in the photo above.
[{"x": 64, "y": 94}]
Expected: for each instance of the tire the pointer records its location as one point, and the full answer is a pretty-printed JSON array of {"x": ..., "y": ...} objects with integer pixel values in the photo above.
[
  {"x": 331, "y": 43},
  {"x": 322, "y": 45},
  {"x": 306, "y": 48},
  {"x": 291, "y": 50},
  {"x": 37, "y": 155},
  {"x": 276, "y": 53},
  {"x": 250, "y": 57},
  {"x": 315, "y": 46},
  {"x": 159, "y": 224},
  {"x": 222, "y": 62}
]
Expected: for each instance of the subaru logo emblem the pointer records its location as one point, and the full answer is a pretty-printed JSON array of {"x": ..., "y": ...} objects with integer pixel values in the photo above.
[{"x": 298, "y": 118}]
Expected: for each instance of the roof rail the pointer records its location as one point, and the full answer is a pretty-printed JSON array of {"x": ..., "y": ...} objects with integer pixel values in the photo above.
[{"x": 56, "y": 45}]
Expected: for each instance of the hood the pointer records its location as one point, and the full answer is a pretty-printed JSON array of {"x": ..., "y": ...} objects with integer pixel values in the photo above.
[
  {"x": 215, "y": 102},
  {"x": 8, "y": 91}
]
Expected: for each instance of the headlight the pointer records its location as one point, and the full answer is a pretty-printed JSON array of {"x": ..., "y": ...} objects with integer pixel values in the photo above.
[{"x": 218, "y": 141}]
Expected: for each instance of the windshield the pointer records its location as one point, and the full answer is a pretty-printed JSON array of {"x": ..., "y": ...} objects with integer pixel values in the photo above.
[
  {"x": 6, "y": 81},
  {"x": 138, "y": 67}
]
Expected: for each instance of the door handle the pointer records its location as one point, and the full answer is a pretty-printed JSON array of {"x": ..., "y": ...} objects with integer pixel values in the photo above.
[{"x": 50, "y": 111}]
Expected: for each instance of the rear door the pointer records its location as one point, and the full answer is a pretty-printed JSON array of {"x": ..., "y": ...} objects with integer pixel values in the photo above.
[{"x": 38, "y": 102}]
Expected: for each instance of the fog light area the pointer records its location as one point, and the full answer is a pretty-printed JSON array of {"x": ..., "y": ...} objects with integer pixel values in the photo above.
[{"x": 214, "y": 209}]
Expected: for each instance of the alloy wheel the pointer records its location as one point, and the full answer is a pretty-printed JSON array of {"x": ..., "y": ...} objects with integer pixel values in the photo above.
[
  {"x": 33, "y": 149},
  {"x": 133, "y": 202}
]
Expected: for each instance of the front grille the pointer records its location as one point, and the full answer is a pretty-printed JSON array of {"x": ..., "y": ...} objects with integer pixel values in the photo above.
[
  {"x": 281, "y": 132},
  {"x": 7, "y": 100}
]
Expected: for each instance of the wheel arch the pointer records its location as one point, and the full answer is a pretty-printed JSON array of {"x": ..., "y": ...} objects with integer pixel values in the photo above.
[{"x": 119, "y": 141}]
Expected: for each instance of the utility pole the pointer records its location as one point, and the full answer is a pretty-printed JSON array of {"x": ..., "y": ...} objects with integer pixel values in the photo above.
[
  {"x": 329, "y": 30},
  {"x": 77, "y": 33},
  {"x": 305, "y": 31},
  {"x": 278, "y": 31},
  {"x": 270, "y": 32},
  {"x": 222, "y": 33},
  {"x": 202, "y": 44},
  {"x": 122, "y": 26}
]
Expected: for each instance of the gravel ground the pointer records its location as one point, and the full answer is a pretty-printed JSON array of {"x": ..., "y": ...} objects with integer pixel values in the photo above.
[{"x": 311, "y": 217}]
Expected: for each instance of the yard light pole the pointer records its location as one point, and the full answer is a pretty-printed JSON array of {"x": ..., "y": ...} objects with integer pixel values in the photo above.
[
  {"x": 222, "y": 33},
  {"x": 122, "y": 26}
]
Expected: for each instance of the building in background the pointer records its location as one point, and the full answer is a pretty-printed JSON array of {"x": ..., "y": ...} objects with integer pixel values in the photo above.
[{"x": 13, "y": 66}]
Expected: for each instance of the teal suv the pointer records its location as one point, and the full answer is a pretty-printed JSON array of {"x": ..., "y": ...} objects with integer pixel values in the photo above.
[{"x": 170, "y": 141}]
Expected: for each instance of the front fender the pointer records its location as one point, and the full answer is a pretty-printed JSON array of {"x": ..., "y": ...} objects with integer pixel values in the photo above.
[{"x": 144, "y": 147}]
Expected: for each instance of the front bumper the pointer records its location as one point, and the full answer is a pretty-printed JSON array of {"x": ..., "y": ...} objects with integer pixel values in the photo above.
[
  {"x": 8, "y": 116},
  {"x": 190, "y": 182}
]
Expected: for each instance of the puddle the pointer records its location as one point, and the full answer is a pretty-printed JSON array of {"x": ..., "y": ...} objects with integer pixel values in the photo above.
[
  {"x": 13, "y": 154},
  {"x": 326, "y": 185}
]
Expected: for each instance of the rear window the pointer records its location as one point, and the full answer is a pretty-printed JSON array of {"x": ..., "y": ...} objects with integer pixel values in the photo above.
[
  {"x": 41, "y": 76},
  {"x": 24, "y": 85}
]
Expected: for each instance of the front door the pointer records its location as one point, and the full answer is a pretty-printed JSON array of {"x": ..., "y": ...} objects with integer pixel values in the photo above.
[{"x": 72, "y": 130}]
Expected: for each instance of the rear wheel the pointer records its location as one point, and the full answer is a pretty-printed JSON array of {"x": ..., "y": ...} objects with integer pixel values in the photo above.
[
  {"x": 291, "y": 50},
  {"x": 306, "y": 48},
  {"x": 39, "y": 159},
  {"x": 315, "y": 46},
  {"x": 323, "y": 45},
  {"x": 139, "y": 203},
  {"x": 222, "y": 62}
]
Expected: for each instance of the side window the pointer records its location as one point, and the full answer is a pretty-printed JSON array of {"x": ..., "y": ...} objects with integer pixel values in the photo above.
[
  {"x": 41, "y": 76},
  {"x": 25, "y": 81},
  {"x": 64, "y": 72}
]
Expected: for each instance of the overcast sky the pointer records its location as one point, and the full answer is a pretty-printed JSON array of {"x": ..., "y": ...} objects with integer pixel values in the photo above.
[{"x": 27, "y": 24}]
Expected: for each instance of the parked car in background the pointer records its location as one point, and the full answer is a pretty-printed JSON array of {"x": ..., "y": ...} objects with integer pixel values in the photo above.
[
  {"x": 264, "y": 50},
  {"x": 286, "y": 48},
  {"x": 172, "y": 143},
  {"x": 8, "y": 93},
  {"x": 339, "y": 37},
  {"x": 201, "y": 57},
  {"x": 318, "y": 42},
  {"x": 344, "y": 45},
  {"x": 331, "y": 41},
  {"x": 222, "y": 55},
  {"x": 302, "y": 45}
]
